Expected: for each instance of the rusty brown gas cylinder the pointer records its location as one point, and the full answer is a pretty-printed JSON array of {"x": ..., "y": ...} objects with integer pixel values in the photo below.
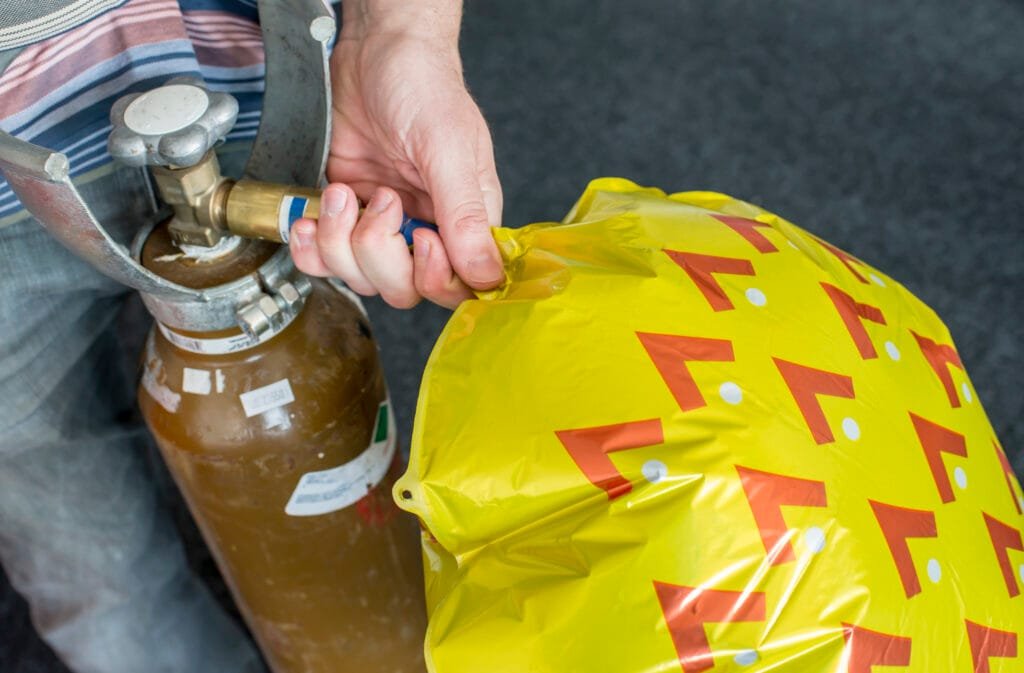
[{"x": 285, "y": 453}]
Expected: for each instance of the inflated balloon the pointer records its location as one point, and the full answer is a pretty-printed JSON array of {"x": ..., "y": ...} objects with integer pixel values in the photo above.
[{"x": 687, "y": 435}]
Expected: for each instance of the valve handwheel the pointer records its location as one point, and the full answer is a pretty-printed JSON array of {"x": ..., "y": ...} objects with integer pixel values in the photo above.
[{"x": 173, "y": 126}]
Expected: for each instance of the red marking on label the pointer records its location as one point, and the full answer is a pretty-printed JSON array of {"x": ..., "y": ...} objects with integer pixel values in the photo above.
[
  {"x": 941, "y": 357},
  {"x": 687, "y": 609},
  {"x": 898, "y": 524},
  {"x": 589, "y": 449},
  {"x": 747, "y": 229},
  {"x": 937, "y": 440},
  {"x": 700, "y": 267},
  {"x": 805, "y": 384},
  {"x": 670, "y": 353},
  {"x": 987, "y": 642},
  {"x": 376, "y": 510},
  {"x": 866, "y": 648},
  {"x": 767, "y": 493},
  {"x": 852, "y": 312}
]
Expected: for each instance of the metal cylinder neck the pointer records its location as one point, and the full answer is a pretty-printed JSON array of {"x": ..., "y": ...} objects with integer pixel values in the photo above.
[{"x": 262, "y": 297}]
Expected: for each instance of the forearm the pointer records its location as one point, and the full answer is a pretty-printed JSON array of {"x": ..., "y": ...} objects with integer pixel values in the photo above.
[{"x": 435, "y": 20}]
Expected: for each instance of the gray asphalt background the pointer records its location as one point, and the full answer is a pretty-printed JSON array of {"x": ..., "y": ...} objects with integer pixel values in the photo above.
[{"x": 892, "y": 129}]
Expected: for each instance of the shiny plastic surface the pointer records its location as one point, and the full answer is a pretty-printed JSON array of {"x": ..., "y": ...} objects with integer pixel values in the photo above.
[{"x": 689, "y": 436}]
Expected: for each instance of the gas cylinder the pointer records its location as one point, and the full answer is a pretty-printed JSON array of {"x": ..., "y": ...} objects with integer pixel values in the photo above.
[
  {"x": 262, "y": 387},
  {"x": 284, "y": 448},
  {"x": 274, "y": 420}
]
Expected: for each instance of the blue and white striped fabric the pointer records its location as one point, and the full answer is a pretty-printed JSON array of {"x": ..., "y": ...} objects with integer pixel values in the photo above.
[{"x": 57, "y": 93}]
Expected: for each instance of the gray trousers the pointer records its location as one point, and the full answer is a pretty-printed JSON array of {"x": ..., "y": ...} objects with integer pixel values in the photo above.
[{"x": 84, "y": 534}]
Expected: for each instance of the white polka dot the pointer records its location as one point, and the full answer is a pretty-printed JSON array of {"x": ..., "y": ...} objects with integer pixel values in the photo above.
[
  {"x": 876, "y": 280},
  {"x": 756, "y": 297},
  {"x": 934, "y": 571},
  {"x": 1020, "y": 571},
  {"x": 746, "y": 657},
  {"x": 890, "y": 348},
  {"x": 730, "y": 392},
  {"x": 654, "y": 471},
  {"x": 967, "y": 392},
  {"x": 960, "y": 477},
  {"x": 851, "y": 429},
  {"x": 814, "y": 538}
]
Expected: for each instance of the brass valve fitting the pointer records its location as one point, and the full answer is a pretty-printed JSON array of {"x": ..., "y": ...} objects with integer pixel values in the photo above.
[{"x": 207, "y": 206}]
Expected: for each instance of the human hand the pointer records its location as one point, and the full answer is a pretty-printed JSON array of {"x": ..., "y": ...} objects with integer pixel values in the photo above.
[{"x": 406, "y": 134}]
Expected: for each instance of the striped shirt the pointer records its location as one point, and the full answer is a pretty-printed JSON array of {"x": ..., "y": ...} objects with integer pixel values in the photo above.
[{"x": 58, "y": 92}]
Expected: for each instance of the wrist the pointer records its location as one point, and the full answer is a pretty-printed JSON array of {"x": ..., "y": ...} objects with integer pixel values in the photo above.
[{"x": 435, "y": 21}]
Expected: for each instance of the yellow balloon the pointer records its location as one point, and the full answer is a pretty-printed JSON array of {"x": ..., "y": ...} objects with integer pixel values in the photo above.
[{"x": 687, "y": 435}]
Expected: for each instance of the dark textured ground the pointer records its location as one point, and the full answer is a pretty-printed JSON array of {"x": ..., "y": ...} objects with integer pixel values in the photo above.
[{"x": 895, "y": 130}]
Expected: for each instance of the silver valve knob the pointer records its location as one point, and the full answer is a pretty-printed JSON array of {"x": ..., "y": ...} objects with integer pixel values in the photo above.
[{"x": 174, "y": 125}]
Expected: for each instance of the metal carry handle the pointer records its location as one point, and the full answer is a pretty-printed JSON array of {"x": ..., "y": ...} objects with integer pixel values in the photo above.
[
  {"x": 292, "y": 142},
  {"x": 41, "y": 179},
  {"x": 291, "y": 146}
]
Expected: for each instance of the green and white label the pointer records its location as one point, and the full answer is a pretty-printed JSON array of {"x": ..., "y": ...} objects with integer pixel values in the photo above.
[{"x": 328, "y": 491}]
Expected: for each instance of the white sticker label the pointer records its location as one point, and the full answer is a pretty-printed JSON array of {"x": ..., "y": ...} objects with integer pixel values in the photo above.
[
  {"x": 196, "y": 381},
  {"x": 291, "y": 209},
  {"x": 330, "y": 490},
  {"x": 152, "y": 373},
  {"x": 222, "y": 345},
  {"x": 275, "y": 395}
]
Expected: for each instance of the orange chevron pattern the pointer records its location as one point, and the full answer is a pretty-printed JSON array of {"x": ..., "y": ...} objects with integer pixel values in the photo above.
[
  {"x": 852, "y": 312},
  {"x": 1004, "y": 538},
  {"x": 748, "y": 230},
  {"x": 589, "y": 449},
  {"x": 767, "y": 493},
  {"x": 846, "y": 258},
  {"x": 805, "y": 384},
  {"x": 700, "y": 269},
  {"x": 1004, "y": 462},
  {"x": 986, "y": 643},
  {"x": 941, "y": 357},
  {"x": 937, "y": 440},
  {"x": 901, "y": 524},
  {"x": 670, "y": 353},
  {"x": 866, "y": 648},
  {"x": 898, "y": 524},
  {"x": 688, "y": 609}
]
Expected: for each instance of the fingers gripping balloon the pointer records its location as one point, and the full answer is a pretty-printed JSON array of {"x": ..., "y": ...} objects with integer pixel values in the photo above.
[{"x": 687, "y": 435}]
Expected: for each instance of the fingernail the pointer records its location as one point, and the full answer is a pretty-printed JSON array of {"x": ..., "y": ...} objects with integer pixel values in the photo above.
[
  {"x": 380, "y": 201},
  {"x": 484, "y": 272},
  {"x": 334, "y": 201},
  {"x": 303, "y": 238},
  {"x": 421, "y": 248}
]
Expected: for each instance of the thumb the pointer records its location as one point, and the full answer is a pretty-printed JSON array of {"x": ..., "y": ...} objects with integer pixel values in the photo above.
[{"x": 462, "y": 182}]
